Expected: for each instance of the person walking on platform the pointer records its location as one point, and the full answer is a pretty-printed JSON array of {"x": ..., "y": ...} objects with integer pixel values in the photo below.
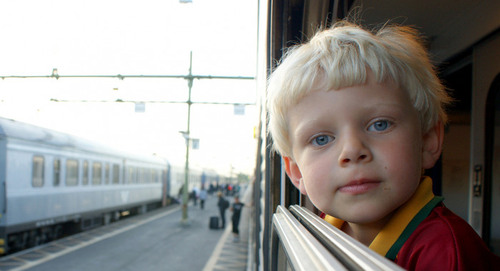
[
  {"x": 236, "y": 209},
  {"x": 194, "y": 195},
  {"x": 223, "y": 204},
  {"x": 203, "y": 197}
]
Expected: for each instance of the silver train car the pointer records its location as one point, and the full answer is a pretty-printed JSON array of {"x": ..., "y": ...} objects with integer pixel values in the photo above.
[{"x": 53, "y": 184}]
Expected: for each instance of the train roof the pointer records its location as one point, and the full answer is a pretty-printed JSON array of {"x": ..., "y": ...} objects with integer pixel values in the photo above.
[{"x": 12, "y": 129}]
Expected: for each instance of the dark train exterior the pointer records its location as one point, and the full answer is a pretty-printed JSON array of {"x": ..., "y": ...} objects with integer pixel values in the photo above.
[{"x": 464, "y": 43}]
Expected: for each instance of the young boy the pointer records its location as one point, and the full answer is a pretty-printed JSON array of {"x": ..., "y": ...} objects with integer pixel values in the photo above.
[{"x": 358, "y": 116}]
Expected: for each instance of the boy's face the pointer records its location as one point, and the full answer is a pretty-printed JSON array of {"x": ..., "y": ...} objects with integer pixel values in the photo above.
[{"x": 357, "y": 151}]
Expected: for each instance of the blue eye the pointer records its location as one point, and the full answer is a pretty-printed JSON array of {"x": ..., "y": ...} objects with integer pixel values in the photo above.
[
  {"x": 322, "y": 140},
  {"x": 379, "y": 126}
]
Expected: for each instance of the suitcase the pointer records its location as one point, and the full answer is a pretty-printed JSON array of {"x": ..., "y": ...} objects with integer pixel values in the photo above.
[{"x": 214, "y": 222}]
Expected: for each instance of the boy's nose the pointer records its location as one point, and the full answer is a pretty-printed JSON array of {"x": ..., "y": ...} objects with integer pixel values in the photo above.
[{"x": 354, "y": 151}]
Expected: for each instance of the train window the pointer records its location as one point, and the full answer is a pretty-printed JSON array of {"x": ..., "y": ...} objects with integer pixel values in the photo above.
[
  {"x": 128, "y": 175},
  {"x": 154, "y": 176},
  {"x": 71, "y": 172},
  {"x": 125, "y": 174},
  {"x": 57, "y": 172},
  {"x": 132, "y": 178},
  {"x": 106, "y": 173},
  {"x": 85, "y": 177},
  {"x": 116, "y": 174},
  {"x": 38, "y": 165},
  {"x": 96, "y": 173},
  {"x": 148, "y": 175},
  {"x": 140, "y": 175}
]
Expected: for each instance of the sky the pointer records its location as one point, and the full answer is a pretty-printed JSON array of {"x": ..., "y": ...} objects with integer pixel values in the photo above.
[{"x": 149, "y": 37}]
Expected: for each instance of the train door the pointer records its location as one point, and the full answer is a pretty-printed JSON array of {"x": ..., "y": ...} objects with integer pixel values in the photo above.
[
  {"x": 485, "y": 140},
  {"x": 492, "y": 168}
]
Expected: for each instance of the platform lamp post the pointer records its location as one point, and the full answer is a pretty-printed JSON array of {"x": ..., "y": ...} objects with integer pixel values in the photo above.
[{"x": 187, "y": 137}]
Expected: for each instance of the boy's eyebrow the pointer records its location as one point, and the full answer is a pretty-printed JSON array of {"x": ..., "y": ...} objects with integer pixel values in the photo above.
[
  {"x": 305, "y": 128},
  {"x": 385, "y": 106}
]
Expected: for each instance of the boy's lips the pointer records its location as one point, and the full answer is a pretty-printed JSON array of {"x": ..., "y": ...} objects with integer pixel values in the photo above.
[{"x": 359, "y": 186}]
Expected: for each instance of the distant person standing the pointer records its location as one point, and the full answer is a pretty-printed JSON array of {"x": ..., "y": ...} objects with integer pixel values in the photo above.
[
  {"x": 223, "y": 204},
  {"x": 236, "y": 209},
  {"x": 203, "y": 197}
]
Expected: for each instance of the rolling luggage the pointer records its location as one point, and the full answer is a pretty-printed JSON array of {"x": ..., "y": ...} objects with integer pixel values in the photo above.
[{"x": 214, "y": 222}]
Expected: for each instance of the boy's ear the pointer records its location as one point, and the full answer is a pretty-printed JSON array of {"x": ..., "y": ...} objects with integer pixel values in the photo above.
[
  {"x": 293, "y": 172},
  {"x": 432, "y": 145}
]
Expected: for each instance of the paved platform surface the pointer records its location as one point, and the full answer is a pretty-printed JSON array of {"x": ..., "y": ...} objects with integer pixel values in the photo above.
[{"x": 231, "y": 255}]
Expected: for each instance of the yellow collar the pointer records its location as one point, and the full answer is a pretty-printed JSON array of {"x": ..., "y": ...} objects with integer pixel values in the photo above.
[{"x": 393, "y": 235}]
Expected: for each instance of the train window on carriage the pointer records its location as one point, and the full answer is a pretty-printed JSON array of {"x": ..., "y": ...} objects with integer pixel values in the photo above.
[
  {"x": 137, "y": 175},
  {"x": 140, "y": 175},
  {"x": 71, "y": 172},
  {"x": 132, "y": 175},
  {"x": 125, "y": 175},
  {"x": 147, "y": 175},
  {"x": 154, "y": 176},
  {"x": 147, "y": 171},
  {"x": 57, "y": 172},
  {"x": 116, "y": 174},
  {"x": 106, "y": 173},
  {"x": 96, "y": 173},
  {"x": 128, "y": 175},
  {"x": 38, "y": 166},
  {"x": 85, "y": 175}
]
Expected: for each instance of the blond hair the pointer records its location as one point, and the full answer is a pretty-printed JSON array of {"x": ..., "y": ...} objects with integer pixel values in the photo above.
[{"x": 341, "y": 56}]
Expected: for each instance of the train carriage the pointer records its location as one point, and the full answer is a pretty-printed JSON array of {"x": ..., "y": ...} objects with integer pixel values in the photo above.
[{"x": 52, "y": 183}]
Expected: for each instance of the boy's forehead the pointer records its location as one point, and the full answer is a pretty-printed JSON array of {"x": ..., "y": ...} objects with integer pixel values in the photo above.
[{"x": 322, "y": 83}]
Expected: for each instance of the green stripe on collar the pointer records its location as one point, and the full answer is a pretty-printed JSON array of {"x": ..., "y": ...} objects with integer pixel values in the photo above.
[{"x": 424, "y": 212}]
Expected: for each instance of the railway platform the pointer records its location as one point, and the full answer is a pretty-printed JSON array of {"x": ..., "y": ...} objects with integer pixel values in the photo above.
[
  {"x": 231, "y": 255},
  {"x": 156, "y": 240}
]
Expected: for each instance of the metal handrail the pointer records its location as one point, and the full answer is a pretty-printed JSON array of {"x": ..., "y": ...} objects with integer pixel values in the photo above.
[
  {"x": 303, "y": 250},
  {"x": 348, "y": 250},
  {"x": 310, "y": 243}
]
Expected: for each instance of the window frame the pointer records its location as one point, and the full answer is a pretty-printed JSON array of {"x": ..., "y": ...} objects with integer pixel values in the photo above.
[
  {"x": 115, "y": 169},
  {"x": 39, "y": 180},
  {"x": 72, "y": 167},
  {"x": 85, "y": 173},
  {"x": 56, "y": 169},
  {"x": 96, "y": 173}
]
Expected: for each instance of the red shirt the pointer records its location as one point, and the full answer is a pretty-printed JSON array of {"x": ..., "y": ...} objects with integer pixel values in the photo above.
[
  {"x": 425, "y": 235},
  {"x": 444, "y": 241}
]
